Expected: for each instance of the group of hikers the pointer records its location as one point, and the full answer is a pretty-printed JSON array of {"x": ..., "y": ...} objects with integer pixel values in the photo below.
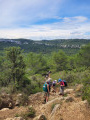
[{"x": 49, "y": 84}]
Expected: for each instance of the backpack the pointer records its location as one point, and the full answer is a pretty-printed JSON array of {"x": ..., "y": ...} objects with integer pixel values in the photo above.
[
  {"x": 45, "y": 87},
  {"x": 65, "y": 83}
]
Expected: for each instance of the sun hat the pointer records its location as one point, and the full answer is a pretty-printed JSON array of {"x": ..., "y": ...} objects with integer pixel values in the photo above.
[
  {"x": 59, "y": 80},
  {"x": 55, "y": 80}
]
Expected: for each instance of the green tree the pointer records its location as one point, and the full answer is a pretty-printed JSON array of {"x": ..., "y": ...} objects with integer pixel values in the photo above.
[
  {"x": 84, "y": 56},
  {"x": 60, "y": 60},
  {"x": 36, "y": 63},
  {"x": 71, "y": 62},
  {"x": 15, "y": 64},
  {"x": 86, "y": 89}
]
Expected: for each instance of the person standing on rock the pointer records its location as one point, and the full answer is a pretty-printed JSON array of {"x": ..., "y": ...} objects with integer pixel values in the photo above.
[
  {"x": 49, "y": 79},
  {"x": 46, "y": 89},
  {"x": 61, "y": 86},
  {"x": 47, "y": 86}
]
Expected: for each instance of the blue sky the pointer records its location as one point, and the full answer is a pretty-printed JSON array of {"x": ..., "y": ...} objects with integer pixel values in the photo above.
[{"x": 45, "y": 19}]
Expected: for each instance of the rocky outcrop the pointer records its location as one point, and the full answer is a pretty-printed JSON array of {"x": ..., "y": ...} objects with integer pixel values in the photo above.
[
  {"x": 4, "y": 109},
  {"x": 57, "y": 108},
  {"x": 6, "y": 101},
  {"x": 54, "y": 111},
  {"x": 37, "y": 98},
  {"x": 47, "y": 108},
  {"x": 68, "y": 91}
]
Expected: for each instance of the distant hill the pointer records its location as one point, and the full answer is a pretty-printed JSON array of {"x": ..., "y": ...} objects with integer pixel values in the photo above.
[{"x": 70, "y": 46}]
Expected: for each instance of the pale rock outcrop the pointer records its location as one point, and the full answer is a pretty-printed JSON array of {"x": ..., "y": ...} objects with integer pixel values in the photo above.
[
  {"x": 47, "y": 108},
  {"x": 69, "y": 99},
  {"x": 37, "y": 98},
  {"x": 54, "y": 111},
  {"x": 4, "y": 109},
  {"x": 68, "y": 91}
]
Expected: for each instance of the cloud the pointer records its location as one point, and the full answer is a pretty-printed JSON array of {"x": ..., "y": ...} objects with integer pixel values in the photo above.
[
  {"x": 76, "y": 19},
  {"x": 52, "y": 31},
  {"x": 43, "y": 19},
  {"x": 14, "y": 13}
]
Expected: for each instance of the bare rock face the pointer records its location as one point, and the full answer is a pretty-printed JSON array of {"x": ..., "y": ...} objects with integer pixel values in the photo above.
[
  {"x": 47, "y": 108},
  {"x": 37, "y": 98},
  {"x": 68, "y": 91},
  {"x": 6, "y": 101},
  {"x": 54, "y": 111}
]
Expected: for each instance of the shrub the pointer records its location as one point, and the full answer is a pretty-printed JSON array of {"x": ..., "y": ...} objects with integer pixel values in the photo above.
[
  {"x": 17, "y": 115},
  {"x": 31, "y": 112},
  {"x": 86, "y": 89},
  {"x": 86, "y": 93},
  {"x": 24, "y": 99}
]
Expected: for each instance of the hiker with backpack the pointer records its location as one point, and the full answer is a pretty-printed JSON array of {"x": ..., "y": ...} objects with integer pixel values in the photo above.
[
  {"x": 47, "y": 78},
  {"x": 46, "y": 89},
  {"x": 47, "y": 86},
  {"x": 61, "y": 82}
]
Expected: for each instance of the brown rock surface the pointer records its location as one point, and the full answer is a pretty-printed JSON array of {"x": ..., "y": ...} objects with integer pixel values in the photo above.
[{"x": 55, "y": 109}]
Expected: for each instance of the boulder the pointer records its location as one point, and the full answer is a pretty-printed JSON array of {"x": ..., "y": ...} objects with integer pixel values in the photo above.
[
  {"x": 6, "y": 101},
  {"x": 4, "y": 109}
]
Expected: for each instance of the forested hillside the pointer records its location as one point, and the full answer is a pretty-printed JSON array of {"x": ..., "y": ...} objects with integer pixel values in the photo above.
[
  {"x": 69, "y": 46},
  {"x": 25, "y": 72}
]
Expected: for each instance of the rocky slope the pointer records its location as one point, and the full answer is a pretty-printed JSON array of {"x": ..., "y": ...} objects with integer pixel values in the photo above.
[{"x": 68, "y": 107}]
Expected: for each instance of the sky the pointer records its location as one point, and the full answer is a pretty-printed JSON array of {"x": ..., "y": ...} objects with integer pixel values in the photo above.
[{"x": 45, "y": 19}]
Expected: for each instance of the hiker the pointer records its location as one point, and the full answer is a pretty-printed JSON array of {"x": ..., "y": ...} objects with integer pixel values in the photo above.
[
  {"x": 61, "y": 86},
  {"x": 48, "y": 75},
  {"x": 49, "y": 79},
  {"x": 54, "y": 85},
  {"x": 46, "y": 89}
]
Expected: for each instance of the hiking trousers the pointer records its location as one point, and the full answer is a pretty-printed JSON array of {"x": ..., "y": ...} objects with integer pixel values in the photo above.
[{"x": 62, "y": 90}]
